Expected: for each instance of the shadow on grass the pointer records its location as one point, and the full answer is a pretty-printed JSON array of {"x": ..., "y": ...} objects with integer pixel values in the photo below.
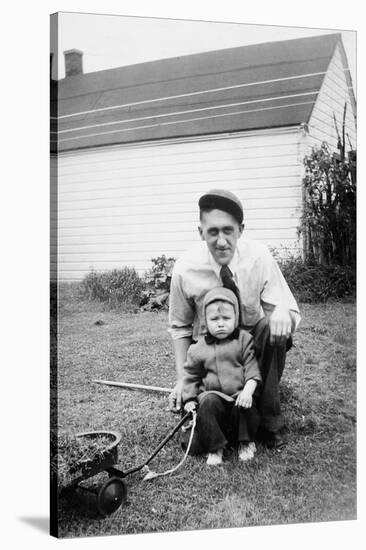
[
  {"x": 300, "y": 419},
  {"x": 307, "y": 416}
]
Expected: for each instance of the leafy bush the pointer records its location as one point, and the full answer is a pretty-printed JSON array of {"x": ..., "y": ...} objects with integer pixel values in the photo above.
[
  {"x": 116, "y": 287},
  {"x": 314, "y": 283},
  {"x": 328, "y": 223},
  {"x": 157, "y": 280},
  {"x": 309, "y": 282},
  {"x": 125, "y": 287}
]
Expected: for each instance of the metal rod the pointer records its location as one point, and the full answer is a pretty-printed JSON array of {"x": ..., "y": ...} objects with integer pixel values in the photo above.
[
  {"x": 112, "y": 471},
  {"x": 165, "y": 440},
  {"x": 129, "y": 386}
]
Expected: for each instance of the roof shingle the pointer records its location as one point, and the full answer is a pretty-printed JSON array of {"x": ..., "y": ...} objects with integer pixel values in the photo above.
[{"x": 250, "y": 87}]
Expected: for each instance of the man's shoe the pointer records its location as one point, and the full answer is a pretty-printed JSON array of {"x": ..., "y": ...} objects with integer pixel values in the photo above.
[{"x": 274, "y": 440}]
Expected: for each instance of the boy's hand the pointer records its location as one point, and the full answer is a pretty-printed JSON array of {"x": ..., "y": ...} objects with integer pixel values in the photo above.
[
  {"x": 244, "y": 400},
  {"x": 190, "y": 406},
  {"x": 245, "y": 397}
]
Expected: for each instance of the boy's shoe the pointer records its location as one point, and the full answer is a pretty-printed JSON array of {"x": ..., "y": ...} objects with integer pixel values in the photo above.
[
  {"x": 214, "y": 459},
  {"x": 246, "y": 451}
]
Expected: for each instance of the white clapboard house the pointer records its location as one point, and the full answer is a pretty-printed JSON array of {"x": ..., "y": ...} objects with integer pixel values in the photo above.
[{"x": 133, "y": 148}]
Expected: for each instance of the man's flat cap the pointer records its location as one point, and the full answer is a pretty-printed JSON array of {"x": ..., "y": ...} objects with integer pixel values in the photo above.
[{"x": 221, "y": 199}]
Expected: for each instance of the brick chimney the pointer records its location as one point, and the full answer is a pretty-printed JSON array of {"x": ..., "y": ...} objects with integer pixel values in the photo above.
[{"x": 73, "y": 62}]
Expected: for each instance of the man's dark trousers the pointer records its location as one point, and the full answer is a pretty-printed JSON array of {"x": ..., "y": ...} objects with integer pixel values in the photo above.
[{"x": 271, "y": 359}]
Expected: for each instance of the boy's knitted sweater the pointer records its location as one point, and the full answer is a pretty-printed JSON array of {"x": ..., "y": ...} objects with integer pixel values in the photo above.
[{"x": 223, "y": 366}]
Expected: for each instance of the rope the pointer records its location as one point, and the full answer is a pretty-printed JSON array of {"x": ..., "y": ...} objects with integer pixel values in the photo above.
[{"x": 152, "y": 475}]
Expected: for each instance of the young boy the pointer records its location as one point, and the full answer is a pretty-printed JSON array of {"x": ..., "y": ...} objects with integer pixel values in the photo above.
[{"x": 221, "y": 375}]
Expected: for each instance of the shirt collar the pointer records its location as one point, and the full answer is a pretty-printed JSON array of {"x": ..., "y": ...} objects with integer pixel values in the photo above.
[{"x": 233, "y": 265}]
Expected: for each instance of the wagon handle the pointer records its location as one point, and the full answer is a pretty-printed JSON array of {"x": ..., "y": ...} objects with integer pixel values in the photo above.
[{"x": 165, "y": 440}]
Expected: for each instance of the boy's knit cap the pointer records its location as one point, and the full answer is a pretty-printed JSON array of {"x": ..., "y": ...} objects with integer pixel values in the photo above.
[
  {"x": 221, "y": 199},
  {"x": 225, "y": 295}
]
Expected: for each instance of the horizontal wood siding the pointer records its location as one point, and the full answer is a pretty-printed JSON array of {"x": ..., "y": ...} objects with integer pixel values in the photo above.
[
  {"x": 122, "y": 206},
  {"x": 53, "y": 217},
  {"x": 333, "y": 95}
]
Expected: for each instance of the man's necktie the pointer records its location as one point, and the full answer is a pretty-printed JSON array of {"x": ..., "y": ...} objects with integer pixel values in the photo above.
[{"x": 228, "y": 282}]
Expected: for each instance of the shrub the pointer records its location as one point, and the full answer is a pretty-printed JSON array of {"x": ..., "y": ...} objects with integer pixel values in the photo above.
[
  {"x": 157, "y": 280},
  {"x": 314, "y": 283},
  {"x": 116, "y": 287},
  {"x": 328, "y": 222}
]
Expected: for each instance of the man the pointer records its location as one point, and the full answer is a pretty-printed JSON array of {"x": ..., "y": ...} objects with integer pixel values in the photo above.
[{"x": 268, "y": 309}]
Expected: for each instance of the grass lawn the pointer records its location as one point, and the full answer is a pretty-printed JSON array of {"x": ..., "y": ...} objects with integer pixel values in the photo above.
[{"x": 313, "y": 478}]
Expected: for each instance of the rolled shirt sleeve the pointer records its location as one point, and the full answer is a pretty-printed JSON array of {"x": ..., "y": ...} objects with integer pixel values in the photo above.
[
  {"x": 275, "y": 291},
  {"x": 181, "y": 309}
]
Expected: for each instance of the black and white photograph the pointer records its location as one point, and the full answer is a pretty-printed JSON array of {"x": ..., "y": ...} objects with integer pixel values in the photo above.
[{"x": 202, "y": 275}]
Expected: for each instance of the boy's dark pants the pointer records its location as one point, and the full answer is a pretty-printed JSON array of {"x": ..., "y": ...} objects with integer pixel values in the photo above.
[
  {"x": 220, "y": 422},
  {"x": 271, "y": 360}
]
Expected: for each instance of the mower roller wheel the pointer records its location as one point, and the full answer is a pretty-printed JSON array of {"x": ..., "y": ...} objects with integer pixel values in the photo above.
[{"x": 111, "y": 495}]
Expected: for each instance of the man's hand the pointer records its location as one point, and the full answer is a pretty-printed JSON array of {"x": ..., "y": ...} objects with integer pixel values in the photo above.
[
  {"x": 280, "y": 325},
  {"x": 175, "y": 398},
  {"x": 190, "y": 406}
]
